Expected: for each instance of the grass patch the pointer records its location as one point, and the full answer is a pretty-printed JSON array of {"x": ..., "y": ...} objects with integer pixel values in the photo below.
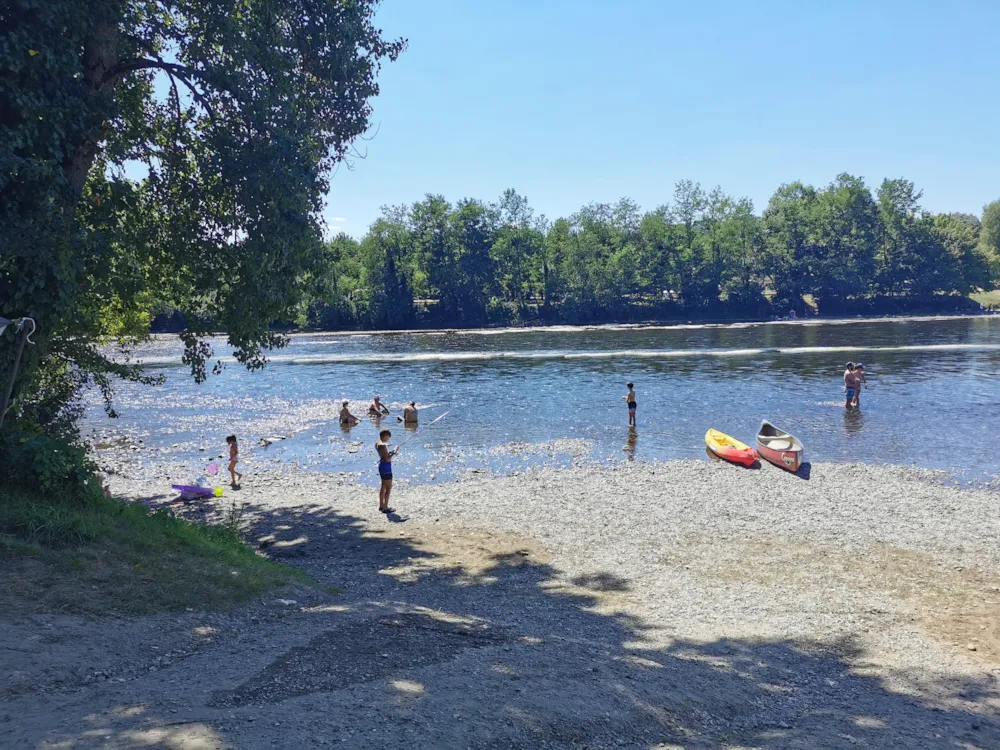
[
  {"x": 987, "y": 298},
  {"x": 115, "y": 557}
]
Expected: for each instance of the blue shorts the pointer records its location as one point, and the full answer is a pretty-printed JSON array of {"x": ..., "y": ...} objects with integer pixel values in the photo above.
[
  {"x": 631, "y": 407},
  {"x": 850, "y": 394},
  {"x": 385, "y": 469}
]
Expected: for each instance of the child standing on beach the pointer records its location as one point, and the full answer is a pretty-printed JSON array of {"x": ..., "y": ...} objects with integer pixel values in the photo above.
[
  {"x": 234, "y": 458},
  {"x": 384, "y": 470}
]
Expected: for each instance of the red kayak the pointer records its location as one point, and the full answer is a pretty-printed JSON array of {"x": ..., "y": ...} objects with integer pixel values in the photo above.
[{"x": 729, "y": 448}]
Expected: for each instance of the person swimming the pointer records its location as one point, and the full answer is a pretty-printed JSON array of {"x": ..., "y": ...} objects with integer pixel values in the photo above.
[{"x": 346, "y": 418}]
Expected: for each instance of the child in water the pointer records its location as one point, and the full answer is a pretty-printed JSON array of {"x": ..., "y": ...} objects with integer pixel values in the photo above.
[
  {"x": 859, "y": 378},
  {"x": 234, "y": 458},
  {"x": 630, "y": 400}
]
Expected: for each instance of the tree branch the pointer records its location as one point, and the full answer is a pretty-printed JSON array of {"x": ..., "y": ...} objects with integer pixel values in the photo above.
[
  {"x": 181, "y": 73},
  {"x": 175, "y": 95}
]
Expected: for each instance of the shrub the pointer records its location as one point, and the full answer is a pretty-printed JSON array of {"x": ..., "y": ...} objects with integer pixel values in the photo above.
[{"x": 55, "y": 467}]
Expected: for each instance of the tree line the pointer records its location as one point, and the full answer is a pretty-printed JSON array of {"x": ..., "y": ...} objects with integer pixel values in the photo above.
[{"x": 839, "y": 248}]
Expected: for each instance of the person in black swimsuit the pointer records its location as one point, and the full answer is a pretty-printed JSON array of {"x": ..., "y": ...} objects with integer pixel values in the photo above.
[{"x": 630, "y": 400}]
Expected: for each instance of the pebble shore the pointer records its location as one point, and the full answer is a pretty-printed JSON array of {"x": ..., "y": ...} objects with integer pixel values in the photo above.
[{"x": 676, "y": 604}]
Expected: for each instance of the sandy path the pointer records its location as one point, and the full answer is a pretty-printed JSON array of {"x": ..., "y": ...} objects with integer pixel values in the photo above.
[{"x": 680, "y": 604}]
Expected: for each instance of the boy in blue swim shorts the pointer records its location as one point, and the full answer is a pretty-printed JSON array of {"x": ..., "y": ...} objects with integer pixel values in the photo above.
[
  {"x": 850, "y": 384},
  {"x": 385, "y": 470},
  {"x": 631, "y": 402}
]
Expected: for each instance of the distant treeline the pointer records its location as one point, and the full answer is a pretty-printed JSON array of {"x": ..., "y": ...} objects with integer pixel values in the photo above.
[{"x": 706, "y": 254}]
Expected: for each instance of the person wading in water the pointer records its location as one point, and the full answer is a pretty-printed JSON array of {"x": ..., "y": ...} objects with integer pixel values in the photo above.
[
  {"x": 409, "y": 413},
  {"x": 631, "y": 402},
  {"x": 376, "y": 408},
  {"x": 346, "y": 418},
  {"x": 850, "y": 385}
]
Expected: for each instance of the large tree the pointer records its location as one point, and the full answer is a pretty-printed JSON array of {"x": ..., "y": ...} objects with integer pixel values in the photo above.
[
  {"x": 958, "y": 235},
  {"x": 517, "y": 247},
  {"x": 787, "y": 223},
  {"x": 901, "y": 244},
  {"x": 389, "y": 297},
  {"x": 176, "y": 149},
  {"x": 989, "y": 240},
  {"x": 842, "y": 246}
]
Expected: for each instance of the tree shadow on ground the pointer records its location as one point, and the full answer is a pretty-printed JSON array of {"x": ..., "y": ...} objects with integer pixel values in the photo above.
[
  {"x": 448, "y": 638},
  {"x": 550, "y": 661}
]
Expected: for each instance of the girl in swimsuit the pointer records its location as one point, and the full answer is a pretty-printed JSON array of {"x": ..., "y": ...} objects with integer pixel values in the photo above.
[
  {"x": 384, "y": 470},
  {"x": 234, "y": 458}
]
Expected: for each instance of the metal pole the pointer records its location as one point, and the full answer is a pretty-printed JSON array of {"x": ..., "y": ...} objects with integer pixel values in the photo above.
[{"x": 13, "y": 377}]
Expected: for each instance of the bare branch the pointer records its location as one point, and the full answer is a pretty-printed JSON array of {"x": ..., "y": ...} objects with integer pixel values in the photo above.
[
  {"x": 175, "y": 95},
  {"x": 366, "y": 137}
]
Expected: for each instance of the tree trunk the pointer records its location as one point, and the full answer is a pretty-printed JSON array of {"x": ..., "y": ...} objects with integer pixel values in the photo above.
[{"x": 100, "y": 56}]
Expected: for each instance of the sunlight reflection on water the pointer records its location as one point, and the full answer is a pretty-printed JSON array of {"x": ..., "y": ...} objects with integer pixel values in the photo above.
[{"x": 536, "y": 389}]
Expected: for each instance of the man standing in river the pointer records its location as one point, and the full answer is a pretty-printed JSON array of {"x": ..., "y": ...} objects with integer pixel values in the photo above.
[{"x": 850, "y": 385}]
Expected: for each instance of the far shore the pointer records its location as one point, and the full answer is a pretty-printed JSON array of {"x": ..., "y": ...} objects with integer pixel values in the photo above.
[{"x": 533, "y": 327}]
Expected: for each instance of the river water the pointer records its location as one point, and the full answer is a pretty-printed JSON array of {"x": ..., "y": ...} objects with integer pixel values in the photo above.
[{"x": 514, "y": 399}]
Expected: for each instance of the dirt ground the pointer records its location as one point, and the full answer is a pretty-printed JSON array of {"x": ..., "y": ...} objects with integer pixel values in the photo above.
[{"x": 445, "y": 635}]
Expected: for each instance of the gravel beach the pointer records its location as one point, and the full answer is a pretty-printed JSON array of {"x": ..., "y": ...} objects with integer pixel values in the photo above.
[{"x": 678, "y": 604}]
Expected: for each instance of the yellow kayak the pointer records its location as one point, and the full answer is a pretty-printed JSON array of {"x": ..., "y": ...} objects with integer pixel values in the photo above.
[{"x": 729, "y": 448}]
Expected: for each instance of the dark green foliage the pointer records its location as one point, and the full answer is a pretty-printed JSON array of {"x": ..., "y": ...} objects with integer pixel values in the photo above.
[
  {"x": 989, "y": 247},
  {"x": 55, "y": 466},
  {"x": 168, "y": 155},
  {"x": 388, "y": 301},
  {"x": 706, "y": 254}
]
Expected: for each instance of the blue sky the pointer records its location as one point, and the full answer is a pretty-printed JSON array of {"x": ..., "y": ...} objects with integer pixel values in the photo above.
[{"x": 570, "y": 102}]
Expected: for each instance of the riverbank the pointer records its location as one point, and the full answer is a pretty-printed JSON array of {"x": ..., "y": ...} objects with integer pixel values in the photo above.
[
  {"x": 124, "y": 559},
  {"x": 678, "y": 323},
  {"x": 683, "y": 603},
  {"x": 964, "y": 307}
]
